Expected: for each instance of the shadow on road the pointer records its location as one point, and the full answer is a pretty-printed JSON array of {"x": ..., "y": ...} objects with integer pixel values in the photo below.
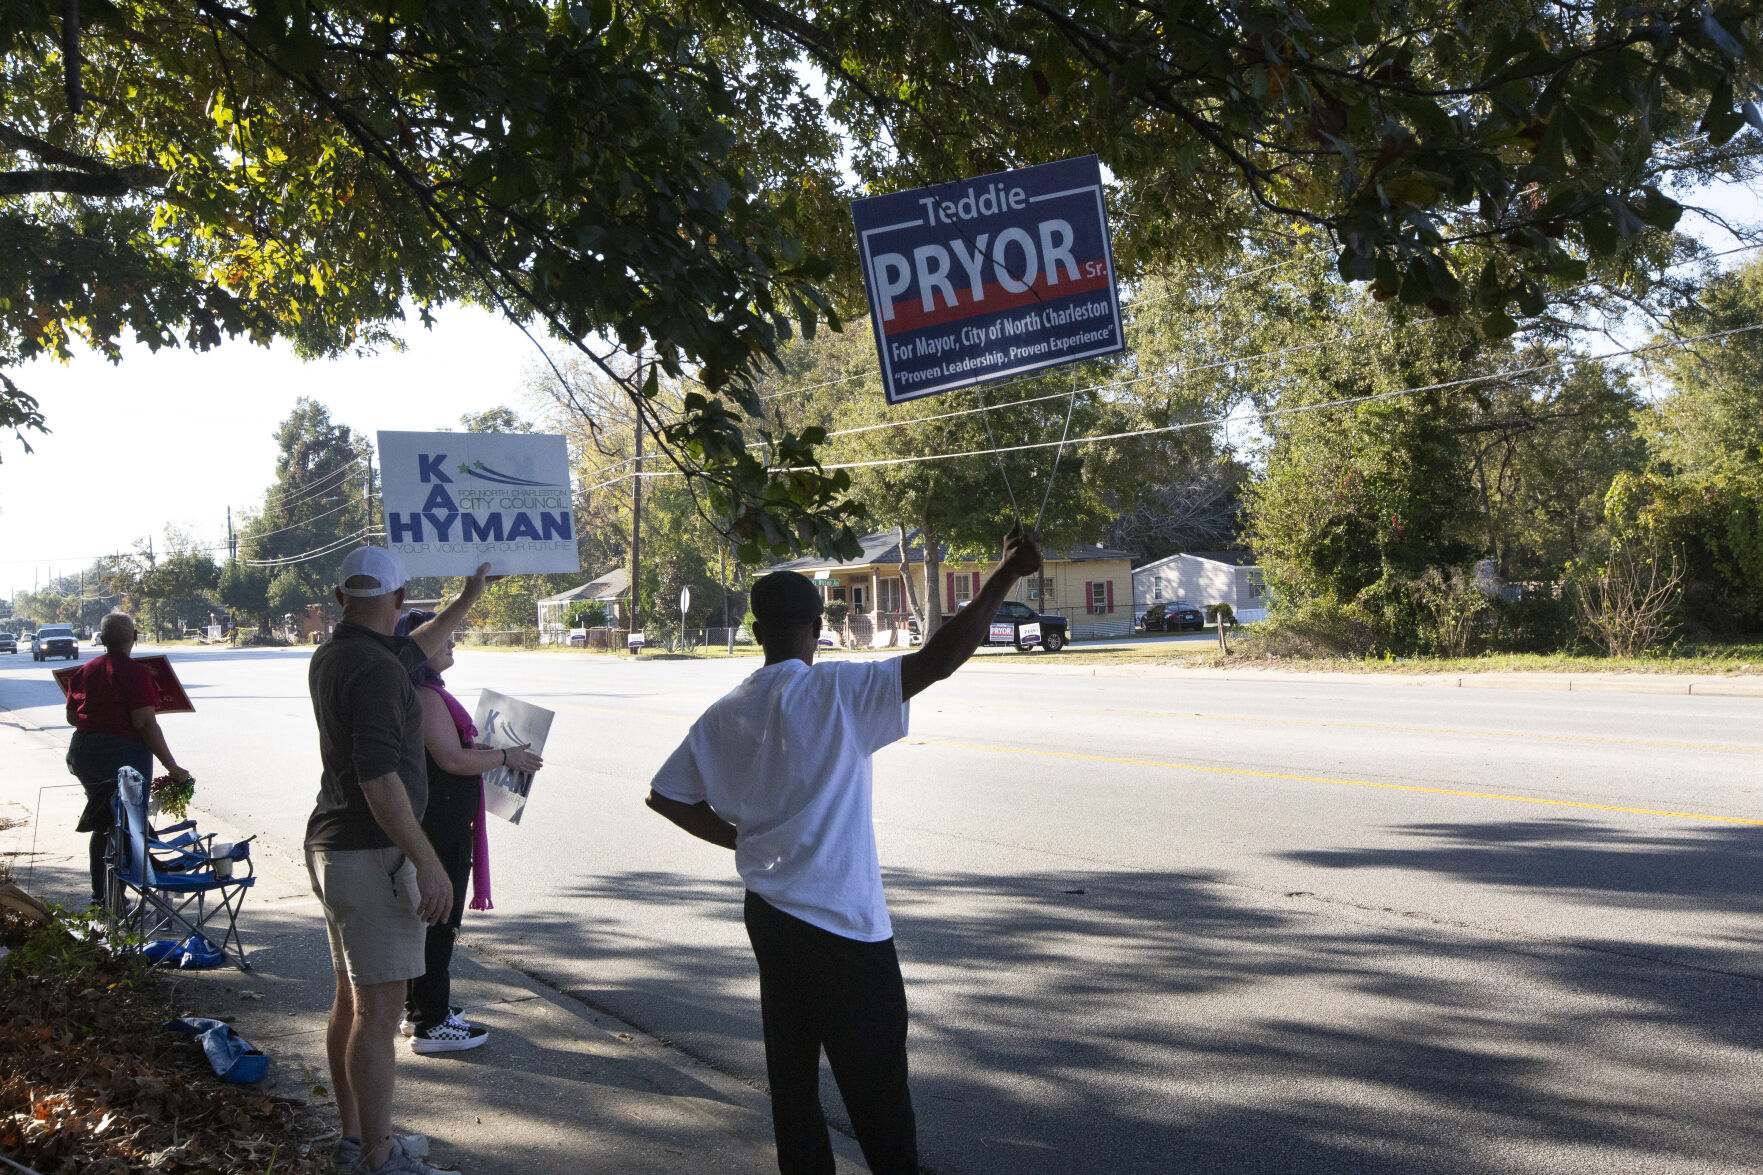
[{"x": 1132, "y": 1021}]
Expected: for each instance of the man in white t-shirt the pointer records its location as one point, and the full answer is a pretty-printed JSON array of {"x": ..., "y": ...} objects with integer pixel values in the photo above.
[{"x": 779, "y": 771}]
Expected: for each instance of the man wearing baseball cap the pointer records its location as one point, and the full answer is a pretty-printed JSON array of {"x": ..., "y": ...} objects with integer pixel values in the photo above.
[
  {"x": 779, "y": 771},
  {"x": 373, "y": 870}
]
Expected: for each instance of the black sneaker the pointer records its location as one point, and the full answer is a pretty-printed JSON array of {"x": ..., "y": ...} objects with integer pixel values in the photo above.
[{"x": 452, "y": 1036}]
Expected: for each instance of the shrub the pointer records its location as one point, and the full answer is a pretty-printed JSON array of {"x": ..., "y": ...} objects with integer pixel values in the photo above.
[
  {"x": 1311, "y": 629},
  {"x": 585, "y": 614},
  {"x": 1539, "y": 621}
]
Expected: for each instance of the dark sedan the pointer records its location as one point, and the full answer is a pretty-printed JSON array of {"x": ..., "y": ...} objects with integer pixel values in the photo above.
[{"x": 1173, "y": 618}]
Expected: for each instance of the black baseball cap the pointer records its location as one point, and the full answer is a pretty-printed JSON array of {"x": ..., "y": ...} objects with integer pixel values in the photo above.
[{"x": 786, "y": 597}]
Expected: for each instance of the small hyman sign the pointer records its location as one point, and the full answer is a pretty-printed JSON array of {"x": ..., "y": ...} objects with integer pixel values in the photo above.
[
  {"x": 989, "y": 277},
  {"x": 454, "y": 500}
]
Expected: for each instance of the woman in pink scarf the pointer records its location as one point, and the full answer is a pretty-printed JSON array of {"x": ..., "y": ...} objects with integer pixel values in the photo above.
[{"x": 454, "y": 822}]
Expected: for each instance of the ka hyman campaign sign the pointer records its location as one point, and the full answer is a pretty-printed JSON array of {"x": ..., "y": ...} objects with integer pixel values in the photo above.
[
  {"x": 989, "y": 277},
  {"x": 457, "y": 499}
]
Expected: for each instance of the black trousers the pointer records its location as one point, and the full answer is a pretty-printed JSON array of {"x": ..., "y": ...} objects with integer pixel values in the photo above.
[
  {"x": 821, "y": 990},
  {"x": 94, "y": 759},
  {"x": 447, "y": 821}
]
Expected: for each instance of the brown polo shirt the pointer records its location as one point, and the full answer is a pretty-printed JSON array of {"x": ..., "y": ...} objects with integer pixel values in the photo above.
[{"x": 369, "y": 725}]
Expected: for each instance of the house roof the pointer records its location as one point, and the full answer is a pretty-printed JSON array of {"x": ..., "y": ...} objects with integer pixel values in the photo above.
[
  {"x": 883, "y": 547},
  {"x": 608, "y": 587},
  {"x": 1227, "y": 558}
]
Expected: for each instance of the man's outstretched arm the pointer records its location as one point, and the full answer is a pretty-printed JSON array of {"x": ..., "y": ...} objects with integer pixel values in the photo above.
[
  {"x": 953, "y": 643},
  {"x": 699, "y": 819}
]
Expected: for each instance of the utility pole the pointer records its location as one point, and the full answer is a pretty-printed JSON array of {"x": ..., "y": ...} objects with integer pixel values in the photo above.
[
  {"x": 369, "y": 525},
  {"x": 722, "y": 575},
  {"x": 637, "y": 512},
  {"x": 232, "y": 541}
]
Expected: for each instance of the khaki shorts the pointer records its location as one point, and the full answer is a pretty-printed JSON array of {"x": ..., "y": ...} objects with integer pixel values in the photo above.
[{"x": 370, "y": 902}]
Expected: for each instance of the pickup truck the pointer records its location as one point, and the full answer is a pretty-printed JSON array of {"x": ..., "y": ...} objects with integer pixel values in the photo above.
[
  {"x": 54, "y": 640},
  {"x": 1053, "y": 634},
  {"x": 1055, "y": 631}
]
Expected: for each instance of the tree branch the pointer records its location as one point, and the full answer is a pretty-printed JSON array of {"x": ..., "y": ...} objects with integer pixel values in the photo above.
[{"x": 119, "y": 182}]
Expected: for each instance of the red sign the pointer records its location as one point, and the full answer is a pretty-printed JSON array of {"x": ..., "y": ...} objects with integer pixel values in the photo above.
[{"x": 172, "y": 698}]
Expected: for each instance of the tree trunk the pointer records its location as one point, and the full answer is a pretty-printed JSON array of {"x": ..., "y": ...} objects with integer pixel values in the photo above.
[
  {"x": 933, "y": 580},
  {"x": 909, "y": 592}
]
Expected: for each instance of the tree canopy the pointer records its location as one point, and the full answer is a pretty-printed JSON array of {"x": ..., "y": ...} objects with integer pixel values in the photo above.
[{"x": 668, "y": 180}]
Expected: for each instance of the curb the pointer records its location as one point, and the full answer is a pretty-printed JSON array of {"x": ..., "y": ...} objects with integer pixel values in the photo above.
[{"x": 1698, "y": 685}]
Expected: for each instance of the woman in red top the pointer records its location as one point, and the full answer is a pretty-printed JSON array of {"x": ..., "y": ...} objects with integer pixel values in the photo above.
[{"x": 112, "y": 707}]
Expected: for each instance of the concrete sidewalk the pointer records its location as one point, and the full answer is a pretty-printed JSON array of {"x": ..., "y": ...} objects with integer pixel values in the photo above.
[{"x": 559, "y": 1087}]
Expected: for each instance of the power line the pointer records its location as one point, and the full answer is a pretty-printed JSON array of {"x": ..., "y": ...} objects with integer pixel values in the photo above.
[
  {"x": 1127, "y": 311},
  {"x": 1276, "y": 412},
  {"x": 319, "y": 552},
  {"x": 1342, "y": 403},
  {"x": 307, "y": 492},
  {"x": 1228, "y": 361},
  {"x": 1136, "y": 304},
  {"x": 308, "y": 522}
]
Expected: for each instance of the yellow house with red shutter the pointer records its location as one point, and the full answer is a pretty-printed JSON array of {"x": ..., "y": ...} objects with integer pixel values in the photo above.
[{"x": 1090, "y": 586}]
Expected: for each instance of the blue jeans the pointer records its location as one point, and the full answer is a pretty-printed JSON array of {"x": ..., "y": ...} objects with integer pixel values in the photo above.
[{"x": 94, "y": 759}]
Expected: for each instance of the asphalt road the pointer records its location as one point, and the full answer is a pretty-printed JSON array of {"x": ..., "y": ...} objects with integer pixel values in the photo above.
[{"x": 1154, "y": 924}]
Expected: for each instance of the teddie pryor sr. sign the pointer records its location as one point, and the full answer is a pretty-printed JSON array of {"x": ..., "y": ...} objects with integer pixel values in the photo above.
[
  {"x": 454, "y": 500},
  {"x": 988, "y": 277}
]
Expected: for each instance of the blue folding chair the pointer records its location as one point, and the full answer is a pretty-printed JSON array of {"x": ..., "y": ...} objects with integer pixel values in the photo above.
[{"x": 161, "y": 885}]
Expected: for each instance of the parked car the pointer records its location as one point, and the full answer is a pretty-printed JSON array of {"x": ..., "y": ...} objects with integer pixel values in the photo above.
[
  {"x": 1054, "y": 631},
  {"x": 54, "y": 640},
  {"x": 8, "y": 642},
  {"x": 1173, "y": 618}
]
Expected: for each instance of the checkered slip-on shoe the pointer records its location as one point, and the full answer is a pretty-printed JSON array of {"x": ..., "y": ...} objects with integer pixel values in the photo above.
[
  {"x": 454, "y": 1036},
  {"x": 407, "y": 1026}
]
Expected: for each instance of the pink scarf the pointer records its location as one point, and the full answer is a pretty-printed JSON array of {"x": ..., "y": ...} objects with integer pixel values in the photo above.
[{"x": 480, "y": 852}]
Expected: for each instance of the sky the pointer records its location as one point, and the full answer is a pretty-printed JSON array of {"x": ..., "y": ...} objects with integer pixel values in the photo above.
[{"x": 174, "y": 438}]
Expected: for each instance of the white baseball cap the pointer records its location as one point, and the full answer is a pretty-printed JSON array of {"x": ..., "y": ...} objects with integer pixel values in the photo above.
[{"x": 375, "y": 563}]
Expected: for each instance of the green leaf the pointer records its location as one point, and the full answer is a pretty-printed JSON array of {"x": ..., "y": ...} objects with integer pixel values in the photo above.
[
  {"x": 1722, "y": 39},
  {"x": 1498, "y": 325},
  {"x": 1720, "y": 122},
  {"x": 1658, "y": 210}
]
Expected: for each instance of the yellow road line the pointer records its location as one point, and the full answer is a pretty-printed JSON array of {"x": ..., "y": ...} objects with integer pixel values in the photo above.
[
  {"x": 1408, "y": 787},
  {"x": 1570, "y": 738},
  {"x": 1436, "y": 791}
]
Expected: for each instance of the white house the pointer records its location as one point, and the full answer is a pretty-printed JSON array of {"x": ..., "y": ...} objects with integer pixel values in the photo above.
[
  {"x": 611, "y": 590},
  {"x": 1200, "y": 578}
]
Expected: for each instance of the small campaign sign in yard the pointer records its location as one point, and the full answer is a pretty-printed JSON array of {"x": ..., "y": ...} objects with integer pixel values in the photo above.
[
  {"x": 989, "y": 277},
  {"x": 501, "y": 722},
  {"x": 1003, "y": 630},
  {"x": 454, "y": 500}
]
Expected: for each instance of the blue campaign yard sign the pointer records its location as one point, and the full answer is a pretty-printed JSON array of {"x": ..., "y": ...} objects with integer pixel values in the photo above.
[{"x": 983, "y": 278}]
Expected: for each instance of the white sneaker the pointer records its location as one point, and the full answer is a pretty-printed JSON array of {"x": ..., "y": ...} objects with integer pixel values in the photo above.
[
  {"x": 347, "y": 1152},
  {"x": 402, "y": 1162},
  {"x": 453, "y": 1036},
  {"x": 407, "y": 1026}
]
